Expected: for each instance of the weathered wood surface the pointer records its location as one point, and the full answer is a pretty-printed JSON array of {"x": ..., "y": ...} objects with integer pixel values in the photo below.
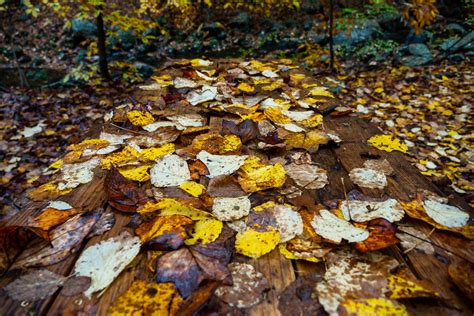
[{"x": 279, "y": 271}]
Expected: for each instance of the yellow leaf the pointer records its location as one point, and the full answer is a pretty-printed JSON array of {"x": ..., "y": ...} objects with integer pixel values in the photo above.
[
  {"x": 139, "y": 118},
  {"x": 387, "y": 143},
  {"x": 399, "y": 287},
  {"x": 169, "y": 206},
  {"x": 320, "y": 92},
  {"x": 245, "y": 87},
  {"x": 127, "y": 155},
  {"x": 261, "y": 81},
  {"x": 255, "y": 244},
  {"x": 152, "y": 154},
  {"x": 47, "y": 191},
  {"x": 57, "y": 164},
  {"x": 216, "y": 144},
  {"x": 93, "y": 144},
  {"x": 192, "y": 188},
  {"x": 276, "y": 116},
  {"x": 309, "y": 141},
  {"x": 135, "y": 173},
  {"x": 290, "y": 255},
  {"x": 378, "y": 90},
  {"x": 297, "y": 76},
  {"x": 164, "y": 80},
  {"x": 205, "y": 231},
  {"x": 373, "y": 306},
  {"x": 273, "y": 86},
  {"x": 255, "y": 176},
  {"x": 161, "y": 225},
  {"x": 147, "y": 298}
]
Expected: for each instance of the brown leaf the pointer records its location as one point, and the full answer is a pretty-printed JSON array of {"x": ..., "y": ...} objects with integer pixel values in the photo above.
[
  {"x": 196, "y": 301},
  {"x": 381, "y": 235},
  {"x": 188, "y": 267},
  {"x": 462, "y": 274},
  {"x": 300, "y": 297},
  {"x": 34, "y": 286},
  {"x": 65, "y": 240},
  {"x": 197, "y": 169},
  {"x": 246, "y": 130},
  {"x": 123, "y": 194},
  {"x": 224, "y": 186},
  {"x": 165, "y": 232},
  {"x": 104, "y": 224},
  {"x": 75, "y": 285},
  {"x": 50, "y": 218},
  {"x": 12, "y": 240}
]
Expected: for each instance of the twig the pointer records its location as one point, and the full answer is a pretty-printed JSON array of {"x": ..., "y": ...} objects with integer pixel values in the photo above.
[{"x": 418, "y": 243}]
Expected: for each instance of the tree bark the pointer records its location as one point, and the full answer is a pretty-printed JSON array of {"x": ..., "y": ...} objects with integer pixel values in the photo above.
[
  {"x": 101, "y": 45},
  {"x": 331, "y": 37}
]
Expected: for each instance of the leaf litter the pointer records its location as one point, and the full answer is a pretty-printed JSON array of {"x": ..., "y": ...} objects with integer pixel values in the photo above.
[{"x": 186, "y": 184}]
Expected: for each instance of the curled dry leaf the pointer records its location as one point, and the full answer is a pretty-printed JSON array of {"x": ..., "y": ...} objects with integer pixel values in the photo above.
[
  {"x": 104, "y": 261},
  {"x": 368, "y": 178},
  {"x": 247, "y": 288},
  {"x": 221, "y": 165},
  {"x": 331, "y": 227},
  {"x": 147, "y": 298},
  {"x": 188, "y": 267},
  {"x": 169, "y": 171},
  {"x": 231, "y": 208},
  {"x": 364, "y": 211},
  {"x": 34, "y": 286},
  {"x": 123, "y": 194},
  {"x": 64, "y": 240}
]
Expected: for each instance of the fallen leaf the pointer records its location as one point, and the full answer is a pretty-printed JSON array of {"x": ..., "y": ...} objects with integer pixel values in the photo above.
[
  {"x": 207, "y": 93},
  {"x": 123, "y": 194},
  {"x": 255, "y": 244},
  {"x": 372, "y": 306},
  {"x": 139, "y": 118},
  {"x": 364, "y": 211},
  {"x": 368, "y": 178},
  {"x": 246, "y": 130},
  {"x": 401, "y": 288},
  {"x": 192, "y": 188},
  {"x": 73, "y": 175},
  {"x": 288, "y": 222},
  {"x": 224, "y": 186},
  {"x": 387, "y": 143},
  {"x": 462, "y": 274},
  {"x": 104, "y": 261},
  {"x": 47, "y": 191},
  {"x": 196, "y": 301},
  {"x": 75, "y": 285},
  {"x": 216, "y": 144},
  {"x": 35, "y": 286},
  {"x": 409, "y": 242},
  {"x": 382, "y": 234},
  {"x": 382, "y": 165},
  {"x": 147, "y": 298},
  {"x": 331, "y": 227},
  {"x": 255, "y": 176},
  {"x": 231, "y": 208},
  {"x": 307, "y": 176},
  {"x": 165, "y": 232},
  {"x": 299, "y": 297},
  {"x": 188, "y": 267},
  {"x": 64, "y": 240},
  {"x": 48, "y": 219},
  {"x": 219, "y": 164},
  {"x": 170, "y": 170},
  {"x": 247, "y": 289},
  {"x": 104, "y": 224},
  {"x": 205, "y": 231}
]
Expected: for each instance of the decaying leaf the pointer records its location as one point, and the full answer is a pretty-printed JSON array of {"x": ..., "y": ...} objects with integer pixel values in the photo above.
[
  {"x": 307, "y": 176},
  {"x": 219, "y": 164},
  {"x": 288, "y": 222},
  {"x": 255, "y": 244},
  {"x": 192, "y": 188},
  {"x": 309, "y": 140},
  {"x": 256, "y": 176},
  {"x": 134, "y": 173},
  {"x": 382, "y": 165},
  {"x": 104, "y": 261},
  {"x": 216, "y": 144},
  {"x": 368, "y": 178},
  {"x": 224, "y": 186},
  {"x": 435, "y": 211},
  {"x": 169, "y": 206},
  {"x": 205, "y": 231},
  {"x": 409, "y": 242},
  {"x": 187, "y": 267},
  {"x": 387, "y": 143},
  {"x": 147, "y": 298},
  {"x": 400, "y": 287},
  {"x": 165, "y": 232},
  {"x": 34, "y": 286},
  {"x": 372, "y": 306},
  {"x": 123, "y": 194},
  {"x": 140, "y": 118},
  {"x": 47, "y": 191},
  {"x": 231, "y": 208},
  {"x": 170, "y": 170},
  {"x": 76, "y": 174},
  {"x": 207, "y": 93},
  {"x": 50, "y": 218},
  {"x": 64, "y": 240},
  {"x": 248, "y": 286},
  {"x": 104, "y": 224},
  {"x": 382, "y": 234},
  {"x": 364, "y": 211},
  {"x": 335, "y": 229},
  {"x": 299, "y": 297},
  {"x": 462, "y": 274},
  {"x": 351, "y": 276},
  {"x": 75, "y": 285}
]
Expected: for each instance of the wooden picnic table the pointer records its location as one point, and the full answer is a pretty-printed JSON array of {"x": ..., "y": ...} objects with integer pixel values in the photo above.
[{"x": 280, "y": 272}]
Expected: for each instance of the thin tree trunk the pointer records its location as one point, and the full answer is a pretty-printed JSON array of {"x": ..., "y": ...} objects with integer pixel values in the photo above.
[
  {"x": 331, "y": 38},
  {"x": 101, "y": 42}
]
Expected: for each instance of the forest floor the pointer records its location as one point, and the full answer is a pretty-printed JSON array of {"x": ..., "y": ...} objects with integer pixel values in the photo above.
[{"x": 429, "y": 108}]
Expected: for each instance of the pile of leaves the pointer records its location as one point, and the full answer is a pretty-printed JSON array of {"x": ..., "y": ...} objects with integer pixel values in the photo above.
[
  {"x": 213, "y": 165},
  {"x": 429, "y": 109}
]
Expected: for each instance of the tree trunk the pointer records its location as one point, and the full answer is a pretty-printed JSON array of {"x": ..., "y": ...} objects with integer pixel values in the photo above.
[
  {"x": 331, "y": 38},
  {"x": 101, "y": 43}
]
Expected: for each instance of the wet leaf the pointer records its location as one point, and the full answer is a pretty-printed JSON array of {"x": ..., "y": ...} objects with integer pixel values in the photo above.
[
  {"x": 382, "y": 234},
  {"x": 331, "y": 227},
  {"x": 462, "y": 274},
  {"x": 147, "y": 298},
  {"x": 299, "y": 297},
  {"x": 104, "y": 261},
  {"x": 366, "y": 210},
  {"x": 48, "y": 219},
  {"x": 205, "y": 231},
  {"x": 387, "y": 143},
  {"x": 224, "y": 186},
  {"x": 255, "y": 244},
  {"x": 75, "y": 285},
  {"x": 123, "y": 194},
  {"x": 165, "y": 232},
  {"x": 34, "y": 286},
  {"x": 256, "y": 176}
]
